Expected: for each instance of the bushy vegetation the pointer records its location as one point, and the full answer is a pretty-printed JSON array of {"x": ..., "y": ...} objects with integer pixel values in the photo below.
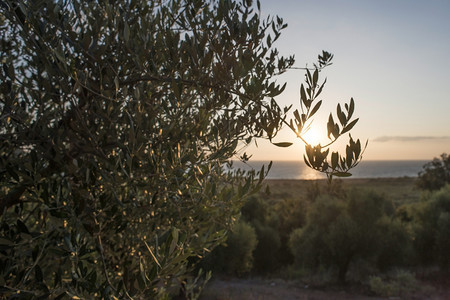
[
  {"x": 435, "y": 174},
  {"x": 236, "y": 256},
  {"x": 351, "y": 235},
  {"x": 340, "y": 232},
  {"x": 400, "y": 283},
  {"x": 430, "y": 226}
]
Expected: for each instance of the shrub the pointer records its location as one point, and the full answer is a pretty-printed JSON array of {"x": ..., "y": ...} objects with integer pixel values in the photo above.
[
  {"x": 431, "y": 228},
  {"x": 341, "y": 240},
  {"x": 288, "y": 214},
  {"x": 304, "y": 246},
  {"x": 395, "y": 244},
  {"x": 435, "y": 174},
  {"x": 255, "y": 210},
  {"x": 443, "y": 240},
  {"x": 236, "y": 256},
  {"x": 367, "y": 207},
  {"x": 402, "y": 283},
  {"x": 309, "y": 245},
  {"x": 358, "y": 227},
  {"x": 266, "y": 253},
  {"x": 239, "y": 251}
]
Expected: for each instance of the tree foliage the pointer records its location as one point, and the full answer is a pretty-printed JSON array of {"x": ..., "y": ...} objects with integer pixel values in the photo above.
[
  {"x": 116, "y": 120},
  {"x": 435, "y": 174}
]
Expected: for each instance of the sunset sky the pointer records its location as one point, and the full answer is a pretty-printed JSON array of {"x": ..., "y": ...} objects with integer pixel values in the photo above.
[{"x": 391, "y": 56}]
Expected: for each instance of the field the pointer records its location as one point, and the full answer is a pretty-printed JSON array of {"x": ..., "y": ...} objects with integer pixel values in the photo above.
[{"x": 398, "y": 190}]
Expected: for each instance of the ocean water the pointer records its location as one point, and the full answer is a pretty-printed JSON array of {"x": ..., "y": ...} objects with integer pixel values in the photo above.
[{"x": 366, "y": 169}]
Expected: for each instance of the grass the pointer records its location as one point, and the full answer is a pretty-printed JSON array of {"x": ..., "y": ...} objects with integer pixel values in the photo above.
[{"x": 399, "y": 190}]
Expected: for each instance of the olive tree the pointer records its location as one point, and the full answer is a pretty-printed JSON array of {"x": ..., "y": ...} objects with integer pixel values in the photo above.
[{"x": 117, "y": 118}]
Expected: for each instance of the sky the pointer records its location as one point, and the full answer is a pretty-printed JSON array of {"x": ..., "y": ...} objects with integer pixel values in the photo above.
[{"x": 391, "y": 56}]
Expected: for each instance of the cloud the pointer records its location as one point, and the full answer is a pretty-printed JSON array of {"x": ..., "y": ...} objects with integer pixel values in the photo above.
[{"x": 409, "y": 138}]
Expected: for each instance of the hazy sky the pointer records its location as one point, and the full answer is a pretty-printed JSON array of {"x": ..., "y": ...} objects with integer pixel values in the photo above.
[{"x": 391, "y": 56}]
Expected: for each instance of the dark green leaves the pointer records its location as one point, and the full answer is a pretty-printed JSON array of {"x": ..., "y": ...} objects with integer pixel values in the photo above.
[
  {"x": 332, "y": 128},
  {"x": 38, "y": 273},
  {"x": 317, "y": 157},
  {"x": 283, "y": 144},
  {"x": 341, "y": 115},
  {"x": 126, "y": 32},
  {"x": 325, "y": 59},
  {"x": 341, "y": 174},
  {"x": 303, "y": 97},
  {"x": 315, "y": 108},
  {"x": 349, "y": 126},
  {"x": 334, "y": 160},
  {"x": 344, "y": 120},
  {"x": 22, "y": 227}
]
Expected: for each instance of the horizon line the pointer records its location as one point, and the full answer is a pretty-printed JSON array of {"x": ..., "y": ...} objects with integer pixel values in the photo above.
[{"x": 301, "y": 160}]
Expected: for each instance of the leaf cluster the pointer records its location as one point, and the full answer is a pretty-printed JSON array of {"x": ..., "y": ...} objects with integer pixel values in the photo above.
[{"x": 317, "y": 156}]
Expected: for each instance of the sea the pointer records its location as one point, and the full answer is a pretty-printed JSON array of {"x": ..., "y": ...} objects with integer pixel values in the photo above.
[{"x": 365, "y": 169}]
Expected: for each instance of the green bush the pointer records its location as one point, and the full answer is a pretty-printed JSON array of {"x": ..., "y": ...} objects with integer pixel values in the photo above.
[
  {"x": 236, "y": 256},
  {"x": 443, "y": 240},
  {"x": 343, "y": 244},
  {"x": 431, "y": 227},
  {"x": 309, "y": 245},
  {"x": 395, "y": 244},
  {"x": 402, "y": 283},
  {"x": 367, "y": 207},
  {"x": 266, "y": 257},
  {"x": 239, "y": 250},
  {"x": 357, "y": 228},
  {"x": 255, "y": 210},
  {"x": 305, "y": 247},
  {"x": 273, "y": 223},
  {"x": 435, "y": 174},
  {"x": 287, "y": 215}
]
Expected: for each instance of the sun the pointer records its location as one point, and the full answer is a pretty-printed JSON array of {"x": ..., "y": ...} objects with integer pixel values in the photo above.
[{"x": 313, "y": 136}]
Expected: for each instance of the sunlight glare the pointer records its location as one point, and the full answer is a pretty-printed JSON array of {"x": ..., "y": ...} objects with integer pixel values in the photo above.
[{"x": 313, "y": 136}]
